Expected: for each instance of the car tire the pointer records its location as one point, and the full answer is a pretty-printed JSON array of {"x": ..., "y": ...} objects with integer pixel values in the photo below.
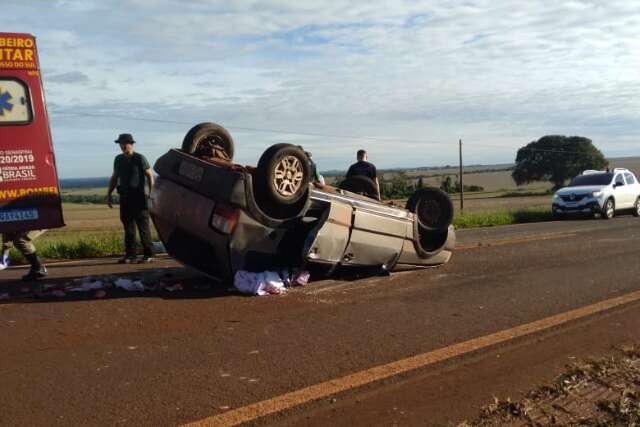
[
  {"x": 433, "y": 208},
  {"x": 428, "y": 243},
  {"x": 360, "y": 184},
  {"x": 609, "y": 209},
  {"x": 202, "y": 140},
  {"x": 283, "y": 174},
  {"x": 636, "y": 207}
]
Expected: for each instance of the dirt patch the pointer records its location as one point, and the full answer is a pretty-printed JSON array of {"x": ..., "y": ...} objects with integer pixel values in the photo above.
[{"x": 603, "y": 392}]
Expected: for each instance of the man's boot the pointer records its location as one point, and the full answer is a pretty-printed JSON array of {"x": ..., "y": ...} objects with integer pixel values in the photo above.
[{"x": 37, "y": 270}]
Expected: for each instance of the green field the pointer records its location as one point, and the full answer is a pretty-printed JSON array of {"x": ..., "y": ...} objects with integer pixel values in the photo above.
[{"x": 91, "y": 231}]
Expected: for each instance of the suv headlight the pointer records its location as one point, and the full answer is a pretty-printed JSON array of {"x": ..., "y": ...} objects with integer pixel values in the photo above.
[
  {"x": 556, "y": 197},
  {"x": 596, "y": 194}
]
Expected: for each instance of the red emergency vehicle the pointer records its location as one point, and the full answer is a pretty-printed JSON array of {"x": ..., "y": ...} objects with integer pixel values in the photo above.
[{"x": 29, "y": 190}]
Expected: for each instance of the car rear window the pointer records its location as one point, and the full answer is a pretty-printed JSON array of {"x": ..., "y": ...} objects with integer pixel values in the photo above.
[{"x": 594, "y": 179}]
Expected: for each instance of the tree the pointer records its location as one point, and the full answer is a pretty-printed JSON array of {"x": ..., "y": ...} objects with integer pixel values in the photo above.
[
  {"x": 446, "y": 185},
  {"x": 399, "y": 187},
  {"x": 556, "y": 158}
]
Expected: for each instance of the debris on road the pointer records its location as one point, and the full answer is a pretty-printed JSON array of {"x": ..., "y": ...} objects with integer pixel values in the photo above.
[
  {"x": 264, "y": 283},
  {"x": 302, "y": 278},
  {"x": 129, "y": 285},
  {"x": 173, "y": 288},
  {"x": 99, "y": 286},
  {"x": 59, "y": 293}
]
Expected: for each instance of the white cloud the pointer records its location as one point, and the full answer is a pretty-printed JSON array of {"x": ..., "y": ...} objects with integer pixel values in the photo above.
[{"x": 494, "y": 72}]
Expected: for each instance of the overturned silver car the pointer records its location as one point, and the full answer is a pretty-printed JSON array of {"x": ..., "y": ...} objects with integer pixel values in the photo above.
[{"x": 220, "y": 217}]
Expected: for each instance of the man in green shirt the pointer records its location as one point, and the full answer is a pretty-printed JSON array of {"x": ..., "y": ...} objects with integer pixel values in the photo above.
[{"x": 129, "y": 172}]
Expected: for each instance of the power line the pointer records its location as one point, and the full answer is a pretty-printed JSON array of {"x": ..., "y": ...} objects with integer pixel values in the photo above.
[{"x": 250, "y": 129}]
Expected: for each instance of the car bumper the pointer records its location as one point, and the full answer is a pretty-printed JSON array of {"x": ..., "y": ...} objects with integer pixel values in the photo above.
[{"x": 591, "y": 206}]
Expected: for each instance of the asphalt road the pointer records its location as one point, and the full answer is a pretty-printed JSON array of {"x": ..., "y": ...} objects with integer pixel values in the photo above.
[{"x": 175, "y": 358}]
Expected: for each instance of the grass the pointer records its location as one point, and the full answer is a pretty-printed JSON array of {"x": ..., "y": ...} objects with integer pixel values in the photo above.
[
  {"x": 63, "y": 248},
  {"x": 506, "y": 217},
  {"x": 92, "y": 231}
]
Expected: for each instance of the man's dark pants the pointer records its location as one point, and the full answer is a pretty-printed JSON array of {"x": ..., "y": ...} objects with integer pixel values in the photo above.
[{"x": 134, "y": 212}]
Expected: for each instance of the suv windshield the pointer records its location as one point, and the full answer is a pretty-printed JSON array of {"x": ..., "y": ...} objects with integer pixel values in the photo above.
[{"x": 595, "y": 179}]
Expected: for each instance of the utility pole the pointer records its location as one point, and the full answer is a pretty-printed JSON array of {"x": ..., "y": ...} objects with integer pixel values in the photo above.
[{"x": 461, "y": 185}]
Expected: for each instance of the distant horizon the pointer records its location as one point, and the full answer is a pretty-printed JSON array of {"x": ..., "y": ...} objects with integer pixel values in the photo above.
[{"x": 338, "y": 171}]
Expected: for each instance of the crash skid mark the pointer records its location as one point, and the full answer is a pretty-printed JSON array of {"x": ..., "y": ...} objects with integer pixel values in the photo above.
[
  {"x": 513, "y": 241},
  {"x": 355, "y": 380},
  {"x": 371, "y": 283}
]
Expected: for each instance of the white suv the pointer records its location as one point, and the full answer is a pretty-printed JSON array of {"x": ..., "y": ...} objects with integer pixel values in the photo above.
[{"x": 599, "y": 193}]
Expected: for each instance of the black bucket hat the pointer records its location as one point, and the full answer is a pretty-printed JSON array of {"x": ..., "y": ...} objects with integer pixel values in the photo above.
[{"x": 125, "y": 138}]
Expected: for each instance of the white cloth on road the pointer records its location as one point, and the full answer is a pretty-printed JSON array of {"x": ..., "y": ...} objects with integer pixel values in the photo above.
[
  {"x": 264, "y": 283},
  {"x": 129, "y": 285}
]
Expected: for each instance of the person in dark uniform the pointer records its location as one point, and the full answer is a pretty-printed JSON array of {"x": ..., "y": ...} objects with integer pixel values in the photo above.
[
  {"x": 363, "y": 168},
  {"x": 130, "y": 170}
]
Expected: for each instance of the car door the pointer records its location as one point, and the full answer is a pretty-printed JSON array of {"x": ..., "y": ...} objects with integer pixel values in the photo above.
[
  {"x": 633, "y": 188},
  {"x": 620, "y": 192},
  {"x": 326, "y": 243},
  {"x": 376, "y": 237}
]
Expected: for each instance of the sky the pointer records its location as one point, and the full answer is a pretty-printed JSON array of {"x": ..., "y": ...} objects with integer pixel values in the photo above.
[{"x": 404, "y": 80}]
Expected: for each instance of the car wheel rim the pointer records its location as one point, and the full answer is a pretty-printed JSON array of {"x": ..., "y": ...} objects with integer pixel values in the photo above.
[
  {"x": 288, "y": 176},
  {"x": 429, "y": 213},
  {"x": 609, "y": 209},
  {"x": 638, "y": 208}
]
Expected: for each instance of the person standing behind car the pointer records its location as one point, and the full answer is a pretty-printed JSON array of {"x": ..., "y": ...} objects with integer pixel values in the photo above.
[
  {"x": 316, "y": 178},
  {"x": 363, "y": 168},
  {"x": 129, "y": 172}
]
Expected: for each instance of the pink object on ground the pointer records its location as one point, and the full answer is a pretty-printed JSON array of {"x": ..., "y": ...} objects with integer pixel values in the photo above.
[{"x": 302, "y": 278}]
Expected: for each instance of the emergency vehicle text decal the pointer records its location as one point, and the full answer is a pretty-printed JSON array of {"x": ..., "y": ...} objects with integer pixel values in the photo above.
[
  {"x": 17, "y": 165},
  {"x": 17, "y": 52}
]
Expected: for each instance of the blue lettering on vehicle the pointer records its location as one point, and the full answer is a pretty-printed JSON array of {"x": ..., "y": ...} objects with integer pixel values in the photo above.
[{"x": 11, "y": 215}]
